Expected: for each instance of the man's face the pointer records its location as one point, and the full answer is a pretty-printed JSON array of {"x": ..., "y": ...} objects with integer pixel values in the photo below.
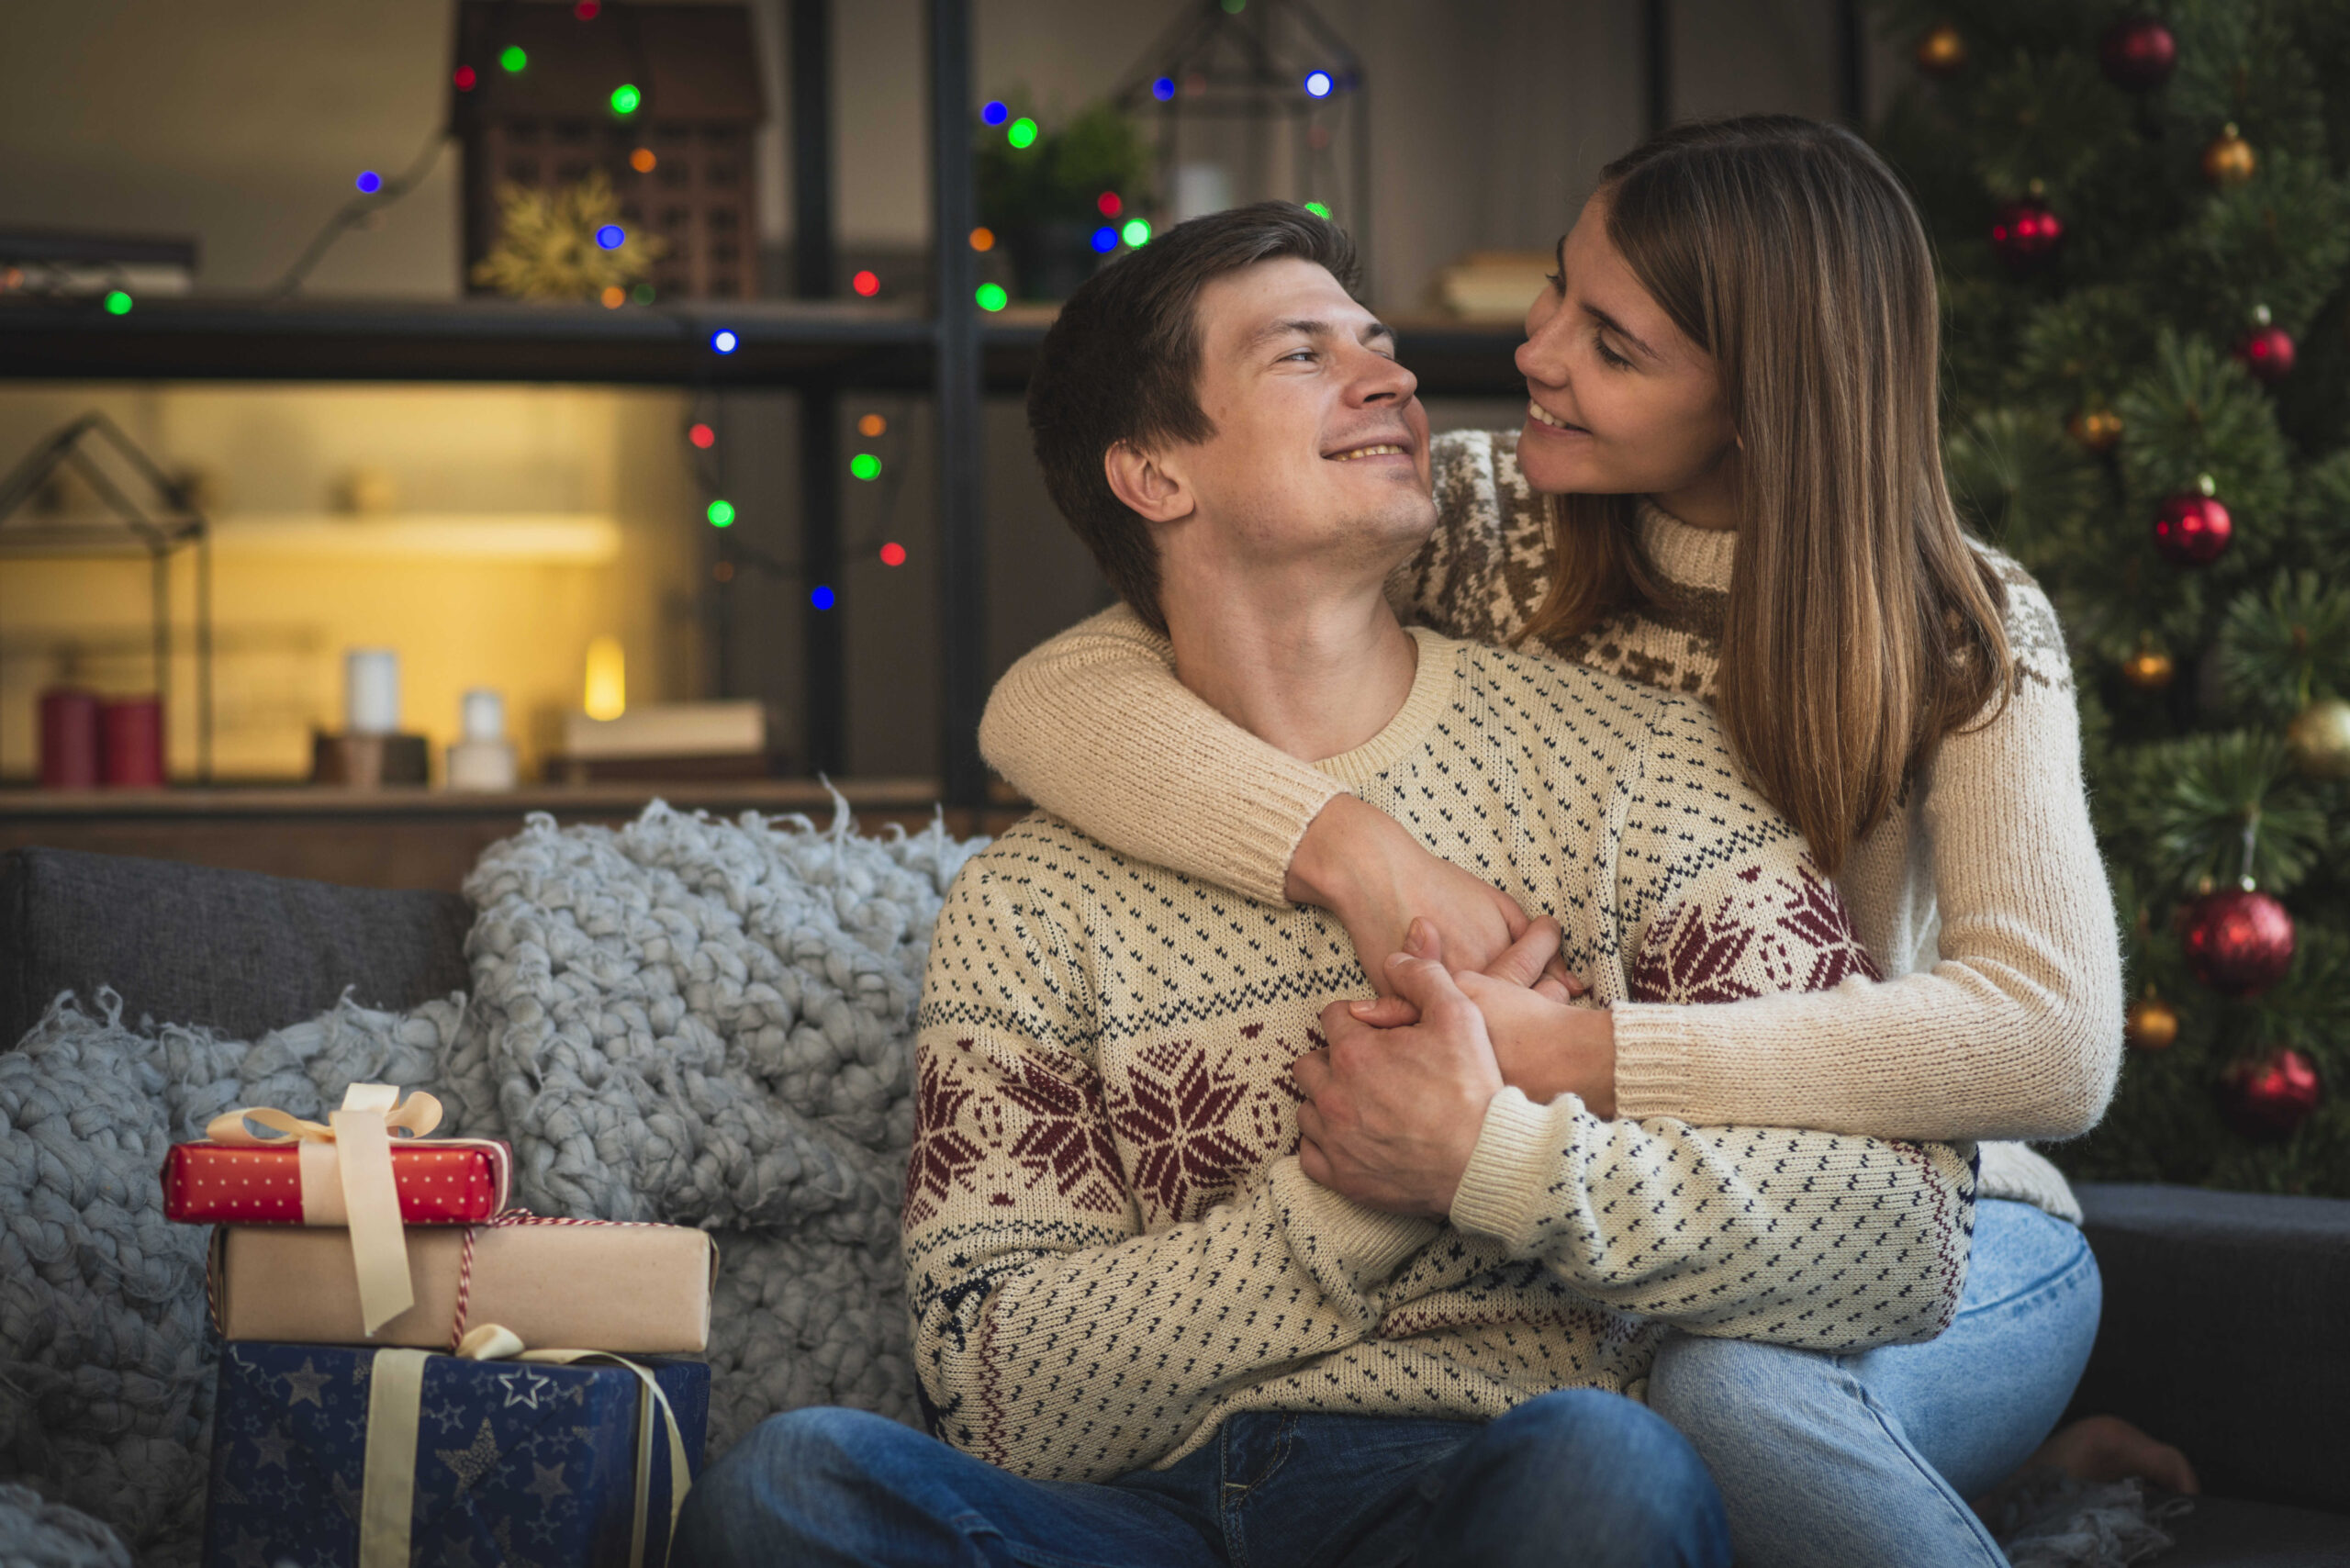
[{"x": 1321, "y": 446}]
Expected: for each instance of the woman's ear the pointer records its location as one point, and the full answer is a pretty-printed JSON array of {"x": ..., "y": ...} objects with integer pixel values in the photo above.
[{"x": 1151, "y": 489}]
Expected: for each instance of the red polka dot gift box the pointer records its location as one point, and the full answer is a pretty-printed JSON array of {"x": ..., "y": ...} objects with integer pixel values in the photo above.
[{"x": 294, "y": 1174}]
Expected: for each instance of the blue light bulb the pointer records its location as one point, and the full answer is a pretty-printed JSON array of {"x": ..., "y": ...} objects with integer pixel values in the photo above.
[
  {"x": 1163, "y": 89},
  {"x": 821, "y": 598},
  {"x": 995, "y": 114},
  {"x": 1105, "y": 239},
  {"x": 1317, "y": 84},
  {"x": 611, "y": 237},
  {"x": 723, "y": 340},
  {"x": 370, "y": 182}
]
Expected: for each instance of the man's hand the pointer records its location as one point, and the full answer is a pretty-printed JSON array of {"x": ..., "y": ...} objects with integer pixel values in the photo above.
[
  {"x": 1391, "y": 1116},
  {"x": 1546, "y": 1048},
  {"x": 1365, "y": 868}
]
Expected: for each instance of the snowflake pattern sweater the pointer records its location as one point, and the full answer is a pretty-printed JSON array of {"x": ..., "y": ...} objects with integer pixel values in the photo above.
[
  {"x": 1111, "y": 1246},
  {"x": 1983, "y": 892}
]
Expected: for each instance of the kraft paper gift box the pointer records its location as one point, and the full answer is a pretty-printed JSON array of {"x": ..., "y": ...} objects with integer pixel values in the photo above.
[
  {"x": 332, "y": 1457},
  {"x": 439, "y": 1181},
  {"x": 634, "y": 1289}
]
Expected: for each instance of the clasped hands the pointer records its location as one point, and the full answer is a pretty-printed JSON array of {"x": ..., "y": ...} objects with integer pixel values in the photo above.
[{"x": 1395, "y": 1103}]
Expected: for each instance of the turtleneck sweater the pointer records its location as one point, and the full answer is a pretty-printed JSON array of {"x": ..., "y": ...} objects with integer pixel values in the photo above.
[{"x": 1981, "y": 897}]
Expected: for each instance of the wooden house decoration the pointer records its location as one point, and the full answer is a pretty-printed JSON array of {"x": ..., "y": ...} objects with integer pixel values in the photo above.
[{"x": 662, "y": 99}]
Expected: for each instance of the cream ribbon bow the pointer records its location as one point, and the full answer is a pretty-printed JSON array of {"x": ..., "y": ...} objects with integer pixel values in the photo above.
[
  {"x": 394, "y": 1409},
  {"x": 357, "y": 1141}
]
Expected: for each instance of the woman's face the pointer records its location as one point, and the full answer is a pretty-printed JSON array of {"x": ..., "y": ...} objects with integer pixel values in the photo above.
[{"x": 1621, "y": 401}]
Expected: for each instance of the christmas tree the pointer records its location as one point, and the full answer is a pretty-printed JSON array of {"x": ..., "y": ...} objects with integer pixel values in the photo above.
[{"x": 2143, "y": 222}]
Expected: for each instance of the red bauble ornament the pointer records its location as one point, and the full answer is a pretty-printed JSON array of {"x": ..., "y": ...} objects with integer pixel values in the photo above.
[
  {"x": 2026, "y": 233},
  {"x": 2270, "y": 1097},
  {"x": 2268, "y": 352},
  {"x": 2192, "y": 529},
  {"x": 2138, "y": 53},
  {"x": 2237, "y": 942}
]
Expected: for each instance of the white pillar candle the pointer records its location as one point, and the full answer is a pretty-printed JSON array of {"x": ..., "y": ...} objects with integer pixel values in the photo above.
[
  {"x": 371, "y": 692},
  {"x": 485, "y": 715}
]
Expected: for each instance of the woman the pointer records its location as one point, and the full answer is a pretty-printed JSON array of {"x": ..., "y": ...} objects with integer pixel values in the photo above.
[{"x": 1729, "y": 483}]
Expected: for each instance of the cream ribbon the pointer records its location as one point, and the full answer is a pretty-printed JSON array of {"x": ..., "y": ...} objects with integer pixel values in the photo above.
[
  {"x": 394, "y": 1412},
  {"x": 357, "y": 1140}
]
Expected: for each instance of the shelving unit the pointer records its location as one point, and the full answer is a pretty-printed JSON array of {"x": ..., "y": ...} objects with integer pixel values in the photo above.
[{"x": 816, "y": 346}]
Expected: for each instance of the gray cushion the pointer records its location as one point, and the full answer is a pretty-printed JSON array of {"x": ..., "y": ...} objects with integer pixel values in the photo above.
[
  {"x": 234, "y": 950},
  {"x": 2223, "y": 1333}
]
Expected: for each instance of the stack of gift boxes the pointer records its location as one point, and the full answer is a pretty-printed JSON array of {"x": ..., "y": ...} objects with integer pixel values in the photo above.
[{"x": 414, "y": 1372}]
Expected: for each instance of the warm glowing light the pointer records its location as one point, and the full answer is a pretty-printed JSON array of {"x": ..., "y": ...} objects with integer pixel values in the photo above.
[
  {"x": 643, "y": 161},
  {"x": 866, "y": 284},
  {"x": 721, "y": 513},
  {"x": 992, "y": 296},
  {"x": 117, "y": 303},
  {"x": 1318, "y": 209},
  {"x": 994, "y": 113},
  {"x": 723, "y": 340},
  {"x": 864, "y": 466},
  {"x": 626, "y": 98},
  {"x": 893, "y": 553},
  {"x": 1108, "y": 204},
  {"x": 1317, "y": 84},
  {"x": 1163, "y": 89},
  {"x": 512, "y": 59},
  {"x": 369, "y": 182},
  {"x": 701, "y": 435},
  {"x": 1023, "y": 132},
  {"x": 821, "y": 598},
  {"x": 607, "y": 678},
  {"x": 983, "y": 238},
  {"x": 1105, "y": 239},
  {"x": 1136, "y": 232},
  {"x": 614, "y": 296},
  {"x": 872, "y": 425},
  {"x": 463, "y": 77},
  {"x": 611, "y": 237}
]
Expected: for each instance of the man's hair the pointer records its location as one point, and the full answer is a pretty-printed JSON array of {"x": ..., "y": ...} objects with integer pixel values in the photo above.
[{"x": 1122, "y": 364}]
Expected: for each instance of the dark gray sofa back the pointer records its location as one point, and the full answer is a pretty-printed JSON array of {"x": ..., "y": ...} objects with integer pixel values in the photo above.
[{"x": 239, "y": 951}]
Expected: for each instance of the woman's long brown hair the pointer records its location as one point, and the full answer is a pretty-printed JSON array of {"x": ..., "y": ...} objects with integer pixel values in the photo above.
[{"x": 1861, "y": 626}]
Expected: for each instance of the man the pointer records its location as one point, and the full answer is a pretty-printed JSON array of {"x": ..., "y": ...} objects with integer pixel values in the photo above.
[{"x": 1149, "y": 1329}]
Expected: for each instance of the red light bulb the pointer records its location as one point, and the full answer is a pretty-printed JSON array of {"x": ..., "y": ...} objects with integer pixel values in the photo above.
[
  {"x": 586, "y": 10},
  {"x": 893, "y": 553},
  {"x": 1110, "y": 205},
  {"x": 866, "y": 284},
  {"x": 463, "y": 78},
  {"x": 701, "y": 435}
]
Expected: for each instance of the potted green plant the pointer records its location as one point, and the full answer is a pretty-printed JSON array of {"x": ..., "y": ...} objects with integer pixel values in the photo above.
[{"x": 1041, "y": 189}]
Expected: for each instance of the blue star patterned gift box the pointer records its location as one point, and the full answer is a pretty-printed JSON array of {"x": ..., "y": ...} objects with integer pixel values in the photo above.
[{"x": 513, "y": 1462}]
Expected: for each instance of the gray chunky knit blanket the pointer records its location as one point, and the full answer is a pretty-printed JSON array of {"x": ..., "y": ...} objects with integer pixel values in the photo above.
[{"x": 693, "y": 1021}]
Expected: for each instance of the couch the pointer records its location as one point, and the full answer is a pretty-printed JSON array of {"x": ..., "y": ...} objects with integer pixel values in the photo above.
[{"x": 2227, "y": 1314}]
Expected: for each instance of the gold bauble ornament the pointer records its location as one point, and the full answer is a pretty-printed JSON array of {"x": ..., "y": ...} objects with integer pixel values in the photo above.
[
  {"x": 2095, "y": 428},
  {"x": 2318, "y": 739},
  {"x": 2149, "y": 668},
  {"x": 1942, "y": 51},
  {"x": 2152, "y": 1024},
  {"x": 2229, "y": 161}
]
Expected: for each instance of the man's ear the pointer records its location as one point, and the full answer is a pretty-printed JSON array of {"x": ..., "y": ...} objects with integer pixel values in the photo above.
[{"x": 1148, "y": 487}]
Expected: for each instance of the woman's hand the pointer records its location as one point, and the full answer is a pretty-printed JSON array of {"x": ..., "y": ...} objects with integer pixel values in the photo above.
[
  {"x": 1545, "y": 1046},
  {"x": 1365, "y": 868}
]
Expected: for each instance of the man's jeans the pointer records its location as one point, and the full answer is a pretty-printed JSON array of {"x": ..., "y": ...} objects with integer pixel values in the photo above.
[
  {"x": 1575, "y": 1479},
  {"x": 1871, "y": 1458}
]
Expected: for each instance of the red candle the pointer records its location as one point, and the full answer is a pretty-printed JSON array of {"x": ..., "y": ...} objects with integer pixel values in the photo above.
[
  {"x": 134, "y": 742},
  {"x": 69, "y": 739}
]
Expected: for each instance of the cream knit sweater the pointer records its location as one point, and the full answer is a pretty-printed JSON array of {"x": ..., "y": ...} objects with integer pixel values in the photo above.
[
  {"x": 1984, "y": 891},
  {"x": 1109, "y": 1244}
]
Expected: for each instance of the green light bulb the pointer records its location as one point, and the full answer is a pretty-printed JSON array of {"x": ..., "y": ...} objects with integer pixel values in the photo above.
[
  {"x": 1318, "y": 209},
  {"x": 512, "y": 58},
  {"x": 625, "y": 98},
  {"x": 992, "y": 296},
  {"x": 117, "y": 303},
  {"x": 721, "y": 513},
  {"x": 1135, "y": 233},
  {"x": 864, "y": 466},
  {"x": 1023, "y": 132}
]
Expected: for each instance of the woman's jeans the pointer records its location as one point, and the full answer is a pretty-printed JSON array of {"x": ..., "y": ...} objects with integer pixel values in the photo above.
[
  {"x": 1871, "y": 1458},
  {"x": 1575, "y": 1479}
]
